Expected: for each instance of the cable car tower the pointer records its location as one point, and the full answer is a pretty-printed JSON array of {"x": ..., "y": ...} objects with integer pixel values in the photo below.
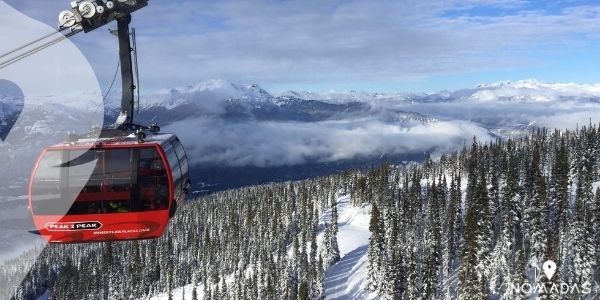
[
  {"x": 89, "y": 15},
  {"x": 86, "y": 16},
  {"x": 136, "y": 176}
]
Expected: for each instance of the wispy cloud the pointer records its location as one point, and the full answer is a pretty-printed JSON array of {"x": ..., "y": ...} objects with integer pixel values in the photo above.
[
  {"x": 269, "y": 144},
  {"x": 288, "y": 42}
]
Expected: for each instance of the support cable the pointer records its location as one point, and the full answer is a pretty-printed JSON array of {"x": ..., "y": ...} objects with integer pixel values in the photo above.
[
  {"x": 10, "y": 61},
  {"x": 31, "y": 43}
]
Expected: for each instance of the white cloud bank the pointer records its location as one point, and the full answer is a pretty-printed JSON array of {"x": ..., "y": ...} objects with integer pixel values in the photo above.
[
  {"x": 268, "y": 144},
  {"x": 502, "y": 108}
]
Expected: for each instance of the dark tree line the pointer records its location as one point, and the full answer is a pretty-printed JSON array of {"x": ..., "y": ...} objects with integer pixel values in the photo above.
[{"x": 472, "y": 225}]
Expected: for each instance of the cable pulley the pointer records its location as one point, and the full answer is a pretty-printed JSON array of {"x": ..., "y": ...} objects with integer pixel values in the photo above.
[
  {"x": 91, "y": 14},
  {"x": 87, "y": 9},
  {"x": 66, "y": 19}
]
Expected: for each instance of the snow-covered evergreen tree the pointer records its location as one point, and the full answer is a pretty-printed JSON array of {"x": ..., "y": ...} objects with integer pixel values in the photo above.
[
  {"x": 432, "y": 263},
  {"x": 332, "y": 249},
  {"x": 376, "y": 251}
]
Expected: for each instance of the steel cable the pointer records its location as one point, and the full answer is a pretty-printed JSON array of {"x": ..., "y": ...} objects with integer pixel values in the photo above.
[
  {"x": 10, "y": 61},
  {"x": 30, "y": 43}
]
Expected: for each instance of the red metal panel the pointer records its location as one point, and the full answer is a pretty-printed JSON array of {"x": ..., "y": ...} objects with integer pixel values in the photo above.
[{"x": 103, "y": 227}]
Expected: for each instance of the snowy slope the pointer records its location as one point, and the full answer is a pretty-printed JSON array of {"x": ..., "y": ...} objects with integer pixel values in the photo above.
[
  {"x": 347, "y": 279},
  {"x": 184, "y": 292}
]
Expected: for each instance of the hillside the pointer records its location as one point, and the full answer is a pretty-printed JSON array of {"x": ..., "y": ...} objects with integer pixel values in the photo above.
[
  {"x": 344, "y": 280},
  {"x": 468, "y": 226}
]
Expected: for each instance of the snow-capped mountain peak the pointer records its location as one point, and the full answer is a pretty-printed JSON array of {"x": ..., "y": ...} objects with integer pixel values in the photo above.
[
  {"x": 216, "y": 90},
  {"x": 534, "y": 84},
  {"x": 532, "y": 90}
]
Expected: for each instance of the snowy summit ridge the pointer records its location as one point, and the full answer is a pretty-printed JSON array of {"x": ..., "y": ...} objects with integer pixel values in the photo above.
[
  {"x": 219, "y": 90},
  {"x": 527, "y": 90},
  {"x": 212, "y": 90}
]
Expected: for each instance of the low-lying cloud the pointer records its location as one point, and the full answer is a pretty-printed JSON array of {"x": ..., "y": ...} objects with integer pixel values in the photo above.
[
  {"x": 513, "y": 106},
  {"x": 271, "y": 144},
  {"x": 486, "y": 112}
]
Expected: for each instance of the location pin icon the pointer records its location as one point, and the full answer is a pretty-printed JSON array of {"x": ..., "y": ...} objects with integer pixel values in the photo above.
[{"x": 549, "y": 268}]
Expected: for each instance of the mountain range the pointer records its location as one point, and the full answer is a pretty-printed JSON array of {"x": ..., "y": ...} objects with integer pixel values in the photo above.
[{"x": 231, "y": 129}]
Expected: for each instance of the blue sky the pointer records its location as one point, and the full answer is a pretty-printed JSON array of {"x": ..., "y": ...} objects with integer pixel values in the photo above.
[{"x": 423, "y": 46}]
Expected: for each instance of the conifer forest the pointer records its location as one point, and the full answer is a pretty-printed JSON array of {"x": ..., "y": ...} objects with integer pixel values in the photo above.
[{"x": 474, "y": 224}]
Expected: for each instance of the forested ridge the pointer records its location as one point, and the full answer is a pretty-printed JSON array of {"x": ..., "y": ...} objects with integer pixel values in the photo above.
[
  {"x": 526, "y": 201},
  {"x": 469, "y": 225}
]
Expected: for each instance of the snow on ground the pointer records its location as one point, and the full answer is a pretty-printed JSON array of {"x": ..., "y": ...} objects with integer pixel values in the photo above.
[
  {"x": 347, "y": 279},
  {"x": 184, "y": 292},
  {"x": 595, "y": 185}
]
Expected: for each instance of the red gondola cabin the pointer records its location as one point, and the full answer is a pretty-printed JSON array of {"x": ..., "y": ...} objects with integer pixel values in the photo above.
[{"x": 108, "y": 189}]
